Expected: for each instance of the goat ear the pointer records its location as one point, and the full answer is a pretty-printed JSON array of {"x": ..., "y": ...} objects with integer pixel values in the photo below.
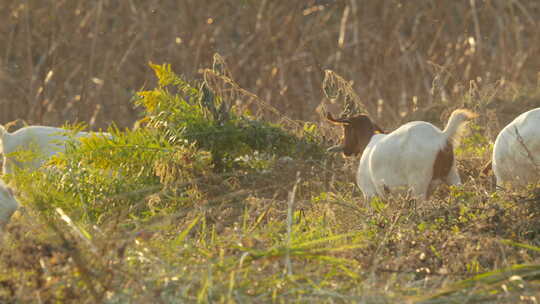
[{"x": 330, "y": 118}]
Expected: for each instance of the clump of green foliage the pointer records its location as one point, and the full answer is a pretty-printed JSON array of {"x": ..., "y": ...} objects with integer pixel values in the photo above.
[
  {"x": 183, "y": 111},
  {"x": 188, "y": 132},
  {"x": 94, "y": 172}
]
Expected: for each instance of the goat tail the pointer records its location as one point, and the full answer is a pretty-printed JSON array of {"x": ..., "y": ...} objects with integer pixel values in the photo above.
[{"x": 454, "y": 128}]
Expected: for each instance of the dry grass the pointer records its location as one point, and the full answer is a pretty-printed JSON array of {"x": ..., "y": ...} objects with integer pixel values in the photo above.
[
  {"x": 295, "y": 232},
  {"x": 273, "y": 238}
]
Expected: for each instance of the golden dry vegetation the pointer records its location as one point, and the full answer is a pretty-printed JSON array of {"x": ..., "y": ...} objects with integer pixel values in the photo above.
[{"x": 84, "y": 60}]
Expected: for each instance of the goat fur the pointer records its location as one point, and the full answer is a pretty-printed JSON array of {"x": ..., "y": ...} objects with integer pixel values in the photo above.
[
  {"x": 47, "y": 141},
  {"x": 516, "y": 153}
]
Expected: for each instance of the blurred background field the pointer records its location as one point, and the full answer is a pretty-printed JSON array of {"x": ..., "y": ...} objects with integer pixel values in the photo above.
[{"x": 84, "y": 60}]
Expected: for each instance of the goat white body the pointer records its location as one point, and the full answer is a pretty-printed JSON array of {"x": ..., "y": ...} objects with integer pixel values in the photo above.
[
  {"x": 47, "y": 141},
  {"x": 363, "y": 175},
  {"x": 516, "y": 158},
  {"x": 8, "y": 204},
  {"x": 404, "y": 159}
]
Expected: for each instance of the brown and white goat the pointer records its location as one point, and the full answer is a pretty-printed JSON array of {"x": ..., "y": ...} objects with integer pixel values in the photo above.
[{"x": 411, "y": 158}]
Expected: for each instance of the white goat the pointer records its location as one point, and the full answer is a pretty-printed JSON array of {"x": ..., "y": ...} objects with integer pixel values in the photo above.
[
  {"x": 47, "y": 141},
  {"x": 413, "y": 157},
  {"x": 516, "y": 153},
  {"x": 8, "y": 204}
]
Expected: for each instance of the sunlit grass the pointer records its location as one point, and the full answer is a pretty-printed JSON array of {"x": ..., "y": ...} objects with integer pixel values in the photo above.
[{"x": 149, "y": 214}]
